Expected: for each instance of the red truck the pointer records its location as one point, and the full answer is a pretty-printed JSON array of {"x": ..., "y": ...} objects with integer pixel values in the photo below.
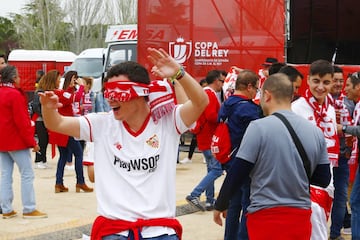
[{"x": 216, "y": 34}]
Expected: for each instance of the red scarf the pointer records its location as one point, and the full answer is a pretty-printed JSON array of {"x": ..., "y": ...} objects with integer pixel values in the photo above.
[
  {"x": 104, "y": 226},
  {"x": 326, "y": 124},
  {"x": 344, "y": 117},
  {"x": 161, "y": 95},
  {"x": 344, "y": 114}
]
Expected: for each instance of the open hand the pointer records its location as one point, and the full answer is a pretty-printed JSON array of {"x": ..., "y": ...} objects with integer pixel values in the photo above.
[{"x": 164, "y": 65}]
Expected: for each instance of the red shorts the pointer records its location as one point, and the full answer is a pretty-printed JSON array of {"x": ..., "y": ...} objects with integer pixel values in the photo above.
[{"x": 279, "y": 223}]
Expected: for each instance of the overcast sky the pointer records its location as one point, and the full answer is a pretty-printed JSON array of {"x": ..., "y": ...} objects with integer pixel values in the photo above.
[{"x": 8, "y": 6}]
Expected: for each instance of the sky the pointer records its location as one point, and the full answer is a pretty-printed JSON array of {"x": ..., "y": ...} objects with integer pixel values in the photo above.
[{"x": 8, "y": 6}]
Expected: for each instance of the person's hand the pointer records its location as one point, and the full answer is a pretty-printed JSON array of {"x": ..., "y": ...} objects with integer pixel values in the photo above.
[
  {"x": 164, "y": 65},
  {"x": 217, "y": 217},
  {"x": 237, "y": 69},
  {"x": 36, "y": 148},
  {"x": 80, "y": 81},
  {"x": 49, "y": 100}
]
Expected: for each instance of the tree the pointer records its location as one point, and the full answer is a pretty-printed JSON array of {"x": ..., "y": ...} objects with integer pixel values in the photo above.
[
  {"x": 72, "y": 25},
  {"x": 85, "y": 17},
  {"x": 8, "y": 37},
  {"x": 122, "y": 12},
  {"x": 42, "y": 26}
]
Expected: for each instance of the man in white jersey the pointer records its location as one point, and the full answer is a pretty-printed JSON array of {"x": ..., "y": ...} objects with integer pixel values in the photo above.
[
  {"x": 279, "y": 190},
  {"x": 315, "y": 106},
  {"x": 136, "y": 147}
]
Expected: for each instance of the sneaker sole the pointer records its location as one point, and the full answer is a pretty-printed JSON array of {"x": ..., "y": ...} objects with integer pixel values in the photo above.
[
  {"x": 201, "y": 208},
  {"x": 8, "y": 217},
  {"x": 34, "y": 217}
]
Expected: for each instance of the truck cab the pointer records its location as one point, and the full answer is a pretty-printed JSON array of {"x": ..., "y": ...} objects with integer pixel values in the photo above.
[
  {"x": 120, "y": 52},
  {"x": 89, "y": 63},
  {"x": 122, "y": 45}
]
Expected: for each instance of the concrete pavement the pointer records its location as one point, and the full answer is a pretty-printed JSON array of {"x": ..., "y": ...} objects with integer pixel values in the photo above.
[{"x": 71, "y": 214}]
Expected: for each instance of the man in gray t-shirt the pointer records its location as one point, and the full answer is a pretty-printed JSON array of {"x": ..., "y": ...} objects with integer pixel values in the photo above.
[{"x": 279, "y": 184}]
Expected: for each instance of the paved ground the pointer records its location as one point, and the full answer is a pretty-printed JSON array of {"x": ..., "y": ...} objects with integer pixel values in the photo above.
[{"x": 71, "y": 214}]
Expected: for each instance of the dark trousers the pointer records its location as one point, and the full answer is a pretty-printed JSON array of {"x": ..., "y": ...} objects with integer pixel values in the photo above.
[
  {"x": 43, "y": 138},
  {"x": 73, "y": 147}
]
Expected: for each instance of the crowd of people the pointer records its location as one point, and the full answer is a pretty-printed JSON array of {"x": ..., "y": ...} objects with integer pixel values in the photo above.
[
  {"x": 294, "y": 156},
  {"x": 328, "y": 104}
]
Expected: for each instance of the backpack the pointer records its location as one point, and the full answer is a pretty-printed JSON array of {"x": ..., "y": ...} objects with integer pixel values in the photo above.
[{"x": 221, "y": 143}]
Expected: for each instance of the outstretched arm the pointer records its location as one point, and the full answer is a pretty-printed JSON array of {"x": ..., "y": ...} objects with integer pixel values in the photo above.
[{"x": 166, "y": 67}]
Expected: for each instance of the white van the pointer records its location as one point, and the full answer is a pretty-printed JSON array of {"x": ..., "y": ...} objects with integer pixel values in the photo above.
[{"x": 89, "y": 63}]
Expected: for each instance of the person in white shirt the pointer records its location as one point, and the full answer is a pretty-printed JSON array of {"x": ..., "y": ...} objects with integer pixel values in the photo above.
[
  {"x": 136, "y": 146},
  {"x": 316, "y": 107}
]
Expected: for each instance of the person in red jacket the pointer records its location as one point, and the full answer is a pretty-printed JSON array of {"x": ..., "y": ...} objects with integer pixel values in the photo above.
[
  {"x": 204, "y": 130},
  {"x": 14, "y": 148},
  {"x": 68, "y": 145},
  {"x": 3, "y": 64}
]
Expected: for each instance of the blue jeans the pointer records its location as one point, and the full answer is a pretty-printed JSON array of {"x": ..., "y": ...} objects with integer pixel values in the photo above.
[
  {"x": 131, "y": 237},
  {"x": 341, "y": 183},
  {"x": 355, "y": 208},
  {"x": 22, "y": 158},
  {"x": 239, "y": 202},
  {"x": 214, "y": 171},
  {"x": 73, "y": 147}
]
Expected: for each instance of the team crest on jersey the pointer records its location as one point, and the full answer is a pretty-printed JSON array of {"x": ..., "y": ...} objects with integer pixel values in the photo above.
[
  {"x": 311, "y": 118},
  {"x": 118, "y": 145},
  {"x": 153, "y": 141}
]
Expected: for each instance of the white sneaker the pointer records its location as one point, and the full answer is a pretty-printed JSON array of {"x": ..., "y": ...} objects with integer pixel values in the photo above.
[
  {"x": 40, "y": 165},
  {"x": 46, "y": 165},
  {"x": 186, "y": 160},
  {"x": 346, "y": 231},
  {"x": 70, "y": 167}
]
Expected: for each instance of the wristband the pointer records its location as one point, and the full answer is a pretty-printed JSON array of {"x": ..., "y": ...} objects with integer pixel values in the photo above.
[
  {"x": 179, "y": 74},
  {"x": 344, "y": 127}
]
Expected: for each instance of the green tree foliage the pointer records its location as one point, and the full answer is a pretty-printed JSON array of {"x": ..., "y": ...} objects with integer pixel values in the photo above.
[
  {"x": 71, "y": 25},
  {"x": 8, "y": 36}
]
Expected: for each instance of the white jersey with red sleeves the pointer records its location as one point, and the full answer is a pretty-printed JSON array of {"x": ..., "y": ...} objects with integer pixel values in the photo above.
[{"x": 135, "y": 172}]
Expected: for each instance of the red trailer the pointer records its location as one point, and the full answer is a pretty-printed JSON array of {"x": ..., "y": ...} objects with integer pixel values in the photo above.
[
  {"x": 29, "y": 61},
  {"x": 214, "y": 34},
  {"x": 204, "y": 35}
]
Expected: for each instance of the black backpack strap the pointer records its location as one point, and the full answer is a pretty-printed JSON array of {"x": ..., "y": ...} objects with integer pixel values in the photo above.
[{"x": 298, "y": 144}]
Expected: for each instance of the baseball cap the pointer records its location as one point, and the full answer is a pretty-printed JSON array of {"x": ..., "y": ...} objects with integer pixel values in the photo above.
[{"x": 269, "y": 61}]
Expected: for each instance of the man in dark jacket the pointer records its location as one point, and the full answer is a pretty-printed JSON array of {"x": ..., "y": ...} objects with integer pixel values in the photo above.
[{"x": 240, "y": 110}]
